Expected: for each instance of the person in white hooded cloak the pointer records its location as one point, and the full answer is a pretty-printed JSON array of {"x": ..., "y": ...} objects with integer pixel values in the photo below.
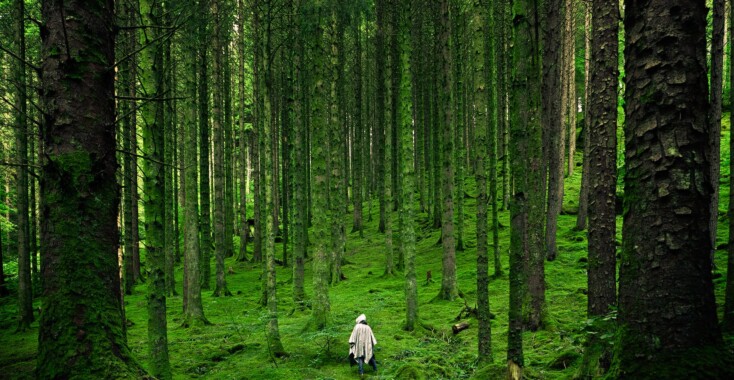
[{"x": 361, "y": 343}]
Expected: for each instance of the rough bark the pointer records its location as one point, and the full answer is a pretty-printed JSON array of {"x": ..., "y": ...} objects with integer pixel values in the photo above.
[
  {"x": 81, "y": 332},
  {"x": 380, "y": 110},
  {"x": 728, "y": 320},
  {"x": 480, "y": 50},
  {"x": 714, "y": 117},
  {"x": 584, "y": 192},
  {"x": 154, "y": 189},
  {"x": 25, "y": 287},
  {"x": 666, "y": 297},
  {"x": 553, "y": 132},
  {"x": 204, "y": 145}
]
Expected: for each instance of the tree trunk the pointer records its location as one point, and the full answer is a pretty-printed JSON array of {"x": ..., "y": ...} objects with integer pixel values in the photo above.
[
  {"x": 553, "y": 132},
  {"x": 714, "y": 117},
  {"x": 480, "y": 51},
  {"x": 25, "y": 287},
  {"x": 243, "y": 146},
  {"x": 728, "y": 320},
  {"x": 169, "y": 202},
  {"x": 81, "y": 333},
  {"x": 154, "y": 190},
  {"x": 449, "y": 289},
  {"x": 584, "y": 192},
  {"x": 666, "y": 297},
  {"x": 319, "y": 95},
  {"x": 193, "y": 310},
  {"x": 380, "y": 134},
  {"x": 204, "y": 146},
  {"x": 357, "y": 148},
  {"x": 301, "y": 155},
  {"x": 569, "y": 85}
]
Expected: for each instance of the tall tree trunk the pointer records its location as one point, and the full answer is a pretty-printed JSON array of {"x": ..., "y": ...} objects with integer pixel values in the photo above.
[
  {"x": 319, "y": 95},
  {"x": 480, "y": 51},
  {"x": 204, "y": 145},
  {"x": 357, "y": 145},
  {"x": 81, "y": 332},
  {"x": 714, "y": 117},
  {"x": 336, "y": 168},
  {"x": 584, "y": 192},
  {"x": 193, "y": 310},
  {"x": 25, "y": 287},
  {"x": 602, "y": 177},
  {"x": 728, "y": 320},
  {"x": 243, "y": 146},
  {"x": 154, "y": 186},
  {"x": 387, "y": 157},
  {"x": 301, "y": 155},
  {"x": 129, "y": 163},
  {"x": 169, "y": 202},
  {"x": 666, "y": 295},
  {"x": 569, "y": 84},
  {"x": 409, "y": 103},
  {"x": 496, "y": 108},
  {"x": 449, "y": 289},
  {"x": 380, "y": 135},
  {"x": 553, "y": 129},
  {"x": 220, "y": 245}
]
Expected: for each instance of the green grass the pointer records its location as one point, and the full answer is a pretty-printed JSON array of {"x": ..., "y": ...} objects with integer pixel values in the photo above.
[{"x": 234, "y": 346}]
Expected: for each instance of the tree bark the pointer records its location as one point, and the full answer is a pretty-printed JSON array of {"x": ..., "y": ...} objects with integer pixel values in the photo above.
[
  {"x": 204, "y": 145},
  {"x": 81, "y": 332},
  {"x": 553, "y": 132},
  {"x": 728, "y": 320},
  {"x": 714, "y": 117},
  {"x": 666, "y": 297},
  {"x": 584, "y": 192},
  {"x": 25, "y": 287}
]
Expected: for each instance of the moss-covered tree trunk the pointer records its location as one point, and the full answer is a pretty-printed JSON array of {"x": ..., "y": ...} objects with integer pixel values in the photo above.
[
  {"x": 244, "y": 229},
  {"x": 301, "y": 155},
  {"x": 81, "y": 333},
  {"x": 154, "y": 188},
  {"x": 169, "y": 200},
  {"x": 408, "y": 102},
  {"x": 204, "y": 144},
  {"x": 449, "y": 289},
  {"x": 458, "y": 125},
  {"x": 379, "y": 130},
  {"x": 584, "y": 192},
  {"x": 25, "y": 287},
  {"x": 667, "y": 310},
  {"x": 358, "y": 122},
  {"x": 319, "y": 95},
  {"x": 193, "y": 310},
  {"x": 387, "y": 157},
  {"x": 602, "y": 177},
  {"x": 527, "y": 205},
  {"x": 479, "y": 29},
  {"x": 220, "y": 244},
  {"x": 337, "y": 171},
  {"x": 553, "y": 132}
]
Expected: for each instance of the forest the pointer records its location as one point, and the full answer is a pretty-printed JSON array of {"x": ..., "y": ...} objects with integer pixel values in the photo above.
[{"x": 496, "y": 189}]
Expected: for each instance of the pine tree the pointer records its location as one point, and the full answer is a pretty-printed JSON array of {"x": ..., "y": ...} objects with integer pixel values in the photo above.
[{"x": 81, "y": 333}]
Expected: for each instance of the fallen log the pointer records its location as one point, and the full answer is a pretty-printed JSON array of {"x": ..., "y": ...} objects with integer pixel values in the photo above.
[{"x": 459, "y": 327}]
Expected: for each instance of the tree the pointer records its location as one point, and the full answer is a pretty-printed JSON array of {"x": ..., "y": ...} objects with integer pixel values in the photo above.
[
  {"x": 480, "y": 51},
  {"x": 602, "y": 174},
  {"x": 728, "y": 321},
  {"x": 204, "y": 144},
  {"x": 193, "y": 309},
  {"x": 319, "y": 117},
  {"x": 527, "y": 201},
  {"x": 714, "y": 117},
  {"x": 666, "y": 299},
  {"x": 407, "y": 188},
  {"x": 379, "y": 131},
  {"x": 81, "y": 332},
  {"x": 25, "y": 289},
  {"x": 553, "y": 131},
  {"x": 220, "y": 235},
  {"x": 584, "y": 192},
  {"x": 449, "y": 289}
]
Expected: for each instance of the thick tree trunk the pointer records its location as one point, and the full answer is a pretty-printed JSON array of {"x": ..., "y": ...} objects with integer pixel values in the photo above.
[
  {"x": 380, "y": 135},
  {"x": 301, "y": 155},
  {"x": 81, "y": 332},
  {"x": 357, "y": 144},
  {"x": 666, "y": 297}
]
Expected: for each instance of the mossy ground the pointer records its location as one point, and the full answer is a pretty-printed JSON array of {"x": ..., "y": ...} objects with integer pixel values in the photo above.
[{"x": 234, "y": 346}]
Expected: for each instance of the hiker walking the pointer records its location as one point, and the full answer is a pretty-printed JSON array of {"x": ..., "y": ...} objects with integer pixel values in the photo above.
[{"x": 360, "y": 345}]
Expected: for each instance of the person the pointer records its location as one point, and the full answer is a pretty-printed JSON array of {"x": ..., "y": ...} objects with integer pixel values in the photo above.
[{"x": 361, "y": 343}]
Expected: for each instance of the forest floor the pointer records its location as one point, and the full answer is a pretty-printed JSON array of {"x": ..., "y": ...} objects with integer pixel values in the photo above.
[{"x": 233, "y": 347}]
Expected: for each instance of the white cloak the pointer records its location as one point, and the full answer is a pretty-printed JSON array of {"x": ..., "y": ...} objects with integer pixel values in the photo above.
[{"x": 363, "y": 340}]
